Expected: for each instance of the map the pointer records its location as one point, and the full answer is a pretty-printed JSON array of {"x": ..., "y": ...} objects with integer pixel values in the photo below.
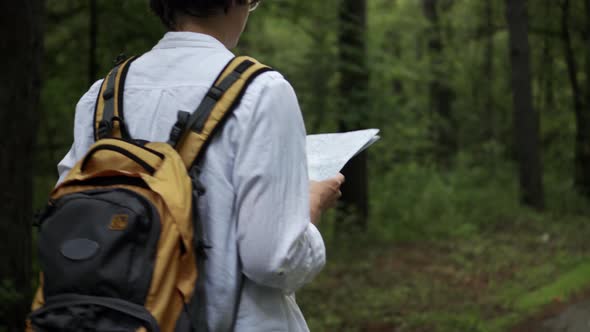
[{"x": 328, "y": 153}]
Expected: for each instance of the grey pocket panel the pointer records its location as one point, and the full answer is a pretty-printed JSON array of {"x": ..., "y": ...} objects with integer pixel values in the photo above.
[{"x": 100, "y": 243}]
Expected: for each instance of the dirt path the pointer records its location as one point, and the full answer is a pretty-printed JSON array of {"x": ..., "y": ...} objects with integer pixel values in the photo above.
[{"x": 575, "y": 318}]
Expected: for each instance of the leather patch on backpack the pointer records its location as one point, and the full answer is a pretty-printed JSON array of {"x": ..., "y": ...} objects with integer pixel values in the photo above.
[{"x": 119, "y": 222}]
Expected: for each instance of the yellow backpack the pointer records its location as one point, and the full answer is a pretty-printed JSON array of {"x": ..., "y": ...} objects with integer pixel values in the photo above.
[{"x": 119, "y": 242}]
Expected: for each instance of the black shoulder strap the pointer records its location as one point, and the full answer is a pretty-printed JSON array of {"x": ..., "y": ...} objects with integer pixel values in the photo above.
[
  {"x": 109, "y": 120},
  {"x": 191, "y": 137}
]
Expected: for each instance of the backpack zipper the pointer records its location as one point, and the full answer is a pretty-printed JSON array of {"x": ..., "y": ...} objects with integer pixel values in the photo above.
[
  {"x": 141, "y": 146},
  {"x": 147, "y": 167}
]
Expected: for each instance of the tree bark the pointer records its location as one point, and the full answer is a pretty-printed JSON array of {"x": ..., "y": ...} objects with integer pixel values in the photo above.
[
  {"x": 526, "y": 118},
  {"x": 489, "y": 112},
  {"x": 319, "y": 66},
  {"x": 354, "y": 83},
  {"x": 92, "y": 47},
  {"x": 587, "y": 54},
  {"x": 393, "y": 45},
  {"x": 582, "y": 145},
  {"x": 587, "y": 49},
  {"x": 441, "y": 95},
  {"x": 21, "y": 40},
  {"x": 548, "y": 64}
]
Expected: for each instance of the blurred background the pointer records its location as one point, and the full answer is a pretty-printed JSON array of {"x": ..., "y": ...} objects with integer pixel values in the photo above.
[{"x": 470, "y": 214}]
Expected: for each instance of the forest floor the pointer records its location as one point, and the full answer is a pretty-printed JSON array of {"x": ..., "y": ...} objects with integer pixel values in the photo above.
[{"x": 513, "y": 277}]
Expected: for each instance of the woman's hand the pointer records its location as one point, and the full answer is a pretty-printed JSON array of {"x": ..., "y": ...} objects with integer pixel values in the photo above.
[{"x": 324, "y": 195}]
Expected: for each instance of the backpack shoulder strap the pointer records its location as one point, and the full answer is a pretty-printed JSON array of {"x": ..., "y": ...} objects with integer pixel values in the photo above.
[
  {"x": 108, "y": 111},
  {"x": 221, "y": 99}
]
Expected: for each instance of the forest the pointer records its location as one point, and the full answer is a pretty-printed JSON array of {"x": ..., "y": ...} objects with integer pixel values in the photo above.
[{"x": 470, "y": 214}]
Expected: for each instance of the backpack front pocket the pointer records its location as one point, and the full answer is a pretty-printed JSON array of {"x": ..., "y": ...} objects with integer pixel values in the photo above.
[{"x": 99, "y": 243}]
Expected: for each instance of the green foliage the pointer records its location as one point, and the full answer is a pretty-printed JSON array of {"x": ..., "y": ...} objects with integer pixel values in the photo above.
[
  {"x": 566, "y": 285},
  {"x": 417, "y": 201},
  {"x": 9, "y": 297},
  {"x": 467, "y": 209}
]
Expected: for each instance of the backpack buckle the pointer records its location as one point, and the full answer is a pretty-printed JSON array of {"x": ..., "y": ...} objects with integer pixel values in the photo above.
[
  {"x": 215, "y": 93},
  {"x": 178, "y": 128},
  {"x": 108, "y": 93}
]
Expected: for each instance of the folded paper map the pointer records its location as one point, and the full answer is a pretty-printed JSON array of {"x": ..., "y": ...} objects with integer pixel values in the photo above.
[{"x": 328, "y": 153}]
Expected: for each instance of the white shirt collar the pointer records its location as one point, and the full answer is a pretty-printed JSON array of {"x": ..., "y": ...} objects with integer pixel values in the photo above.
[{"x": 173, "y": 39}]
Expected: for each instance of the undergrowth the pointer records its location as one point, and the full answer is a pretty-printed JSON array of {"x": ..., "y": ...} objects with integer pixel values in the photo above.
[{"x": 449, "y": 251}]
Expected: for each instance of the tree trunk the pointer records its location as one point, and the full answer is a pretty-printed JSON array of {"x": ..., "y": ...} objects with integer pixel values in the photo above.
[
  {"x": 582, "y": 145},
  {"x": 319, "y": 66},
  {"x": 548, "y": 64},
  {"x": 396, "y": 51},
  {"x": 393, "y": 45},
  {"x": 488, "y": 111},
  {"x": 526, "y": 119},
  {"x": 441, "y": 95},
  {"x": 92, "y": 37},
  {"x": 21, "y": 34},
  {"x": 584, "y": 167},
  {"x": 354, "y": 82},
  {"x": 587, "y": 49}
]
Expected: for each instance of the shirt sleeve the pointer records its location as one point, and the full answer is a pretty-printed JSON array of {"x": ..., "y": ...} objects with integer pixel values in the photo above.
[
  {"x": 83, "y": 131},
  {"x": 278, "y": 245}
]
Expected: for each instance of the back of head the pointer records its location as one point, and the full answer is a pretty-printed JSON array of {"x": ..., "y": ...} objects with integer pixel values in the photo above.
[{"x": 169, "y": 10}]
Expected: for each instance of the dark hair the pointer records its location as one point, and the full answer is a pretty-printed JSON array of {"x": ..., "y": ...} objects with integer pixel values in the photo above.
[{"x": 167, "y": 10}]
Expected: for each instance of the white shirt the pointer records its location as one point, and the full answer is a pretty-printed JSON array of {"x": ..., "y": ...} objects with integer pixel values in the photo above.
[{"x": 255, "y": 213}]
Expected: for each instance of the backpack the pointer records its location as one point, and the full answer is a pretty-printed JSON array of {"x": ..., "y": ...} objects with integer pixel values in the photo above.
[{"x": 119, "y": 243}]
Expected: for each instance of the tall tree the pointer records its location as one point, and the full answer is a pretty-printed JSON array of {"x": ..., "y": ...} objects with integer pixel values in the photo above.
[
  {"x": 21, "y": 33},
  {"x": 92, "y": 46},
  {"x": 547, "y": 76},
  {"x": 393, "y": 46},
  {"x": 587, "y": 38},
  {"x": 583, "y": 177},
  {"x": 526, "y": 118},
  {"x": 582, "y": 114},
  {"x": 488, "y": 109},
  {"x": 587, "y": 49},
  {"x": 441, "y": 94},
  {"x": 353, "y": 86},
  {"x": 320, "y": 66}
]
